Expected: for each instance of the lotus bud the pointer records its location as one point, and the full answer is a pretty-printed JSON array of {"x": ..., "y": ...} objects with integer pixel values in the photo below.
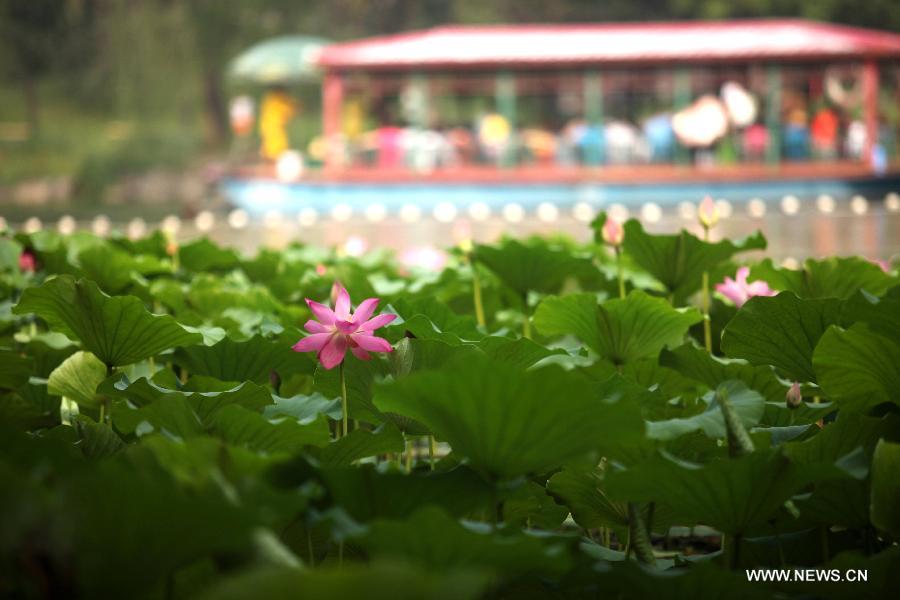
[
  {"x": 27, "y": 262},
  {"x": 613, "y": 232},
  {"x": 708, "y": 213},
  {"x": 321, "y": 270},
  {"x": 794, "y": 398}
]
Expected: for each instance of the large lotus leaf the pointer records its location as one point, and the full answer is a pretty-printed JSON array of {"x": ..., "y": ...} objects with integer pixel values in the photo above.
[
  {"x": 241, "y": 427},
  {"x": 433, "y": 539},
  {"x": 748, "y": 406},
  {"x": 781, "y": 331},
  {"x": 15, "y": 369},
  {"x": 857, "y": 367},
  {"x": 701, "y": 579},
  {"x": 731, "y": 495},
  {"x": 304, "y": 408},
  {"x": 678, "y": 261},
  {"x": 97, "y": 440},
  {"x": 118, "y": 329},
  {"x": 366, "y": 493},
  {"x": 843, "y": 503},
  {"x": 833, "y": 277},
  {"x": 619, "y": 330},
  {"x": 361, "y": 443},
  {"x": 699, "y": 365},
  {"x": 886, "y": 487},
  {"x": 77, "y": 378},
  {"x": 882, "y": 315},
  {"x": 582, "y": 491},
  {"x": 202, "y": 256},
  {"x": 415, "y": 354},
  {"x": 508, "y": 422},
  {"x": 427, "y": 318},
  {"x": 110, "y": 268},
  {"x": 532, "y": 267},
  {"x": 10, "y": 250},
  {"x": 124, "y": 507},
  {"x": 155, "y": 244},
  {"x": 373, "y": 581},
  {"x": 48, "y": 349},
  {"x": 205, "y": 395},
  {"x": 529, "y": 505},
  {"x": 254, "y": 359},
  {"x": 519, "y": 352},
  {"x": 876, "y": 577}
]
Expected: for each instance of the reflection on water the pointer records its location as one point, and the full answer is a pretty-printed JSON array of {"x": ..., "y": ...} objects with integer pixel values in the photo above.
[{"x": 810, "y": 228}]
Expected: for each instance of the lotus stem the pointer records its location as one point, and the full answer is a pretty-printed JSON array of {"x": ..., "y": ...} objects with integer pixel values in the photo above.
[
  {"x": 638, "y": 536},
  {"x": 344, "y": 408},
  {"x": 476, "y": 295},
  {"x": 739, "y": 442},
  {"x": 431, "y": 451},
  {"x": 526, "y": 324},
  {"x": 102, "y": 412},
  {"x": 707, "y": 329},
  {"x": 619, "y": 272},
  {"x": 408, "y": 457}
]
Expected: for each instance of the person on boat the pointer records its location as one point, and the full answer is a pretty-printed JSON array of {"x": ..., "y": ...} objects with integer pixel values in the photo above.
[
  {"x": 389, "y": 143},
  {"x": 824, "y": 133},
  {"x": 796, "y": 135},
  {"x": 277, "y": 110},
  {"x": 494, "y": 135},
  {"x": 755, "y": 141},
  {"x": 660, "y": 137}
]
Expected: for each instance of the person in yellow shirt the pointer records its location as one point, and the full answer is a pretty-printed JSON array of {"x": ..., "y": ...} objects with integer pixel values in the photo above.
[{"x": 278, "y": 108}]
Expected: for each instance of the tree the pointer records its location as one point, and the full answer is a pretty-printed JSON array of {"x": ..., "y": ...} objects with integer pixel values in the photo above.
[{"x": 31, "y": 31}]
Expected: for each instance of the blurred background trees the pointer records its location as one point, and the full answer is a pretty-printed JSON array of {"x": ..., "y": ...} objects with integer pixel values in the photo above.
[{"x": 96, "y": 88}]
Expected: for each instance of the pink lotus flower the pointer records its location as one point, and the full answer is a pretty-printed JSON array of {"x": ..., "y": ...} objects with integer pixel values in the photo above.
[
  {"x": 739, "y": 291},
  {"x": 337, "y": 330},
  {"x": 613, "y": 232},
  {"x": 27, "y": 262}
]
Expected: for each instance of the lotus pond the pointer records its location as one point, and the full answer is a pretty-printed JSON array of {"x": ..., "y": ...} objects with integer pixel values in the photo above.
[{"x": 647, "y": 416}]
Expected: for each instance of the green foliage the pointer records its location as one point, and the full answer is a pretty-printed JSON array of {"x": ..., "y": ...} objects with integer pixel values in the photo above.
[{"x": 177, "y": 425}]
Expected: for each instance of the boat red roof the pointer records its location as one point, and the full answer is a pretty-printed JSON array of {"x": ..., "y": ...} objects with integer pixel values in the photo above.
[{"x": 535, "y": 46}]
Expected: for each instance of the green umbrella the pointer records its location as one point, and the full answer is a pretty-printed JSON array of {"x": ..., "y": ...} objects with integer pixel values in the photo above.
[{"x": 287, "y": 59}]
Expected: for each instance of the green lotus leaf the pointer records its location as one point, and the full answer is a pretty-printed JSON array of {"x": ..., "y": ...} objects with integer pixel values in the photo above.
[
  {"x": 361, "y": 443},
  {"x": 857, "y": 367},
  {"x": 619, "y": 330},
  {"x": 886, "y": 487},
  {"x": 376, "y": 581},
  {"x": 697, "y": 364},
  {"x": 532, "y": 267},
  {"x": 833, "y": 277},
  {"x": 748, "y": 404},
  {"x": 733, "y": 495},
  {"x": 781, "y": 331},
  {"x": 203, "y": 255},
  {"x": 433, "y": 539},
  {"x": 507, "y": 422},
  {"x": 78, "y": 378},
  {"x": 679, "y": 261},
  {"x": 116, "y": 329},
  {"x": 254, "y": 359}
]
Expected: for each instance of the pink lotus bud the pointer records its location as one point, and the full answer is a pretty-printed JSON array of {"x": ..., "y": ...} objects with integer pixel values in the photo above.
[
  {"x": 708, "y": 213},
  {"x": 794, "y": 398},
  {"x": 321, "y": 270},
  {"x": 613, "y": 232},
  {"x": 27, "y": 262}
]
